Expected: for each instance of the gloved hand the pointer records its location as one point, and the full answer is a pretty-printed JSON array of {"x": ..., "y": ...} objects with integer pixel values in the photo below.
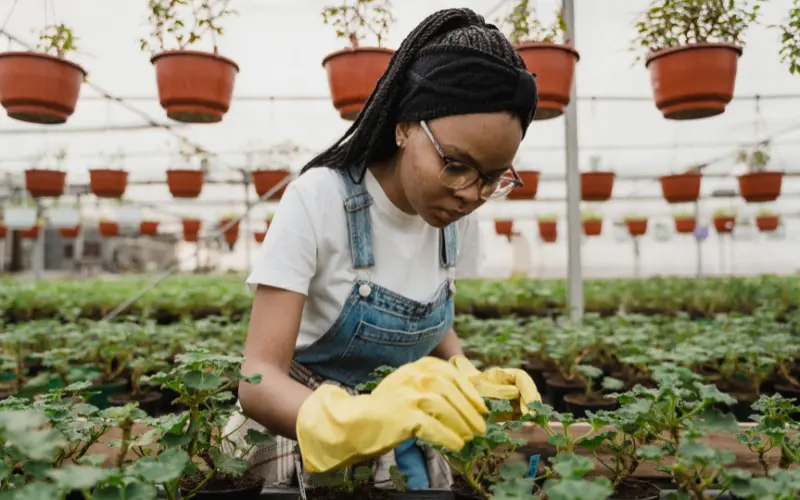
[
  {"x": 510, "y": 384},
  {"x": 428, "y": 399}
]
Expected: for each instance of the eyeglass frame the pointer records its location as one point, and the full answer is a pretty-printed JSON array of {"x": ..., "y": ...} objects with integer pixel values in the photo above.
[{"x": 483, "y": 178}]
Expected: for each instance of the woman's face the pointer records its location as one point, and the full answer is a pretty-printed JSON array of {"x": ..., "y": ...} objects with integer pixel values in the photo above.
[{"x": 487, "y": 142}]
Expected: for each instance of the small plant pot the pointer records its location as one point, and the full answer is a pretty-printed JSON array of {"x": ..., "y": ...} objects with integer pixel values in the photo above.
[
  {"x": 530, "y": 186},
  {"x": 3, "y": 230},
  {"x": 681, "y": 188},
  {"x": 504, "y": 227},
  {"x": 353, "y": 74},
  {"x": 259, "y": 236},
  {"x": 633, "y": 489},
  {"x": 578, "y": 404},
  {"x": 185, "y": 183},
  {"x": 759, "y": 187},
  {"x": 39, "y": 88},
  {"x": 685, "y": 225},
  {"x": 194, "y": 86},
  {"x": 554, "y": 66},
  {"x": 108, "y": 229},
  {"x": 247, "y": 487},
  {"x": 548, "y": 230},
  {"x": 636, "y": 227},
  {"x": 148, "y": 228},
  {"x": 767, "y": 223},
  {"x": 596, "y": 186},
  {"x": 30, "y": 233},
  {"x": 536, "y": 369},
  {"x": 100, "y": 400},
  {"x": 108, "y": 183},
  {"x": 69, "y": 232},
  {"x": 724, "y": 225},
  {"x": 45, "y": 183},
  {"x": 232, "y": 233},
  {"x": 592, "y": 227},
  {"x": 19, "y": 217},
  {"x": 558, "y": 388},
  {"x": 280, "y": 494},
  {"x": 265, "y": 180},
  {"x": 191, "y": 228},
  {"x": 422, "y": 495},
  {"x": 149, "y": 402},
  {"x": 693, "y": 81}
]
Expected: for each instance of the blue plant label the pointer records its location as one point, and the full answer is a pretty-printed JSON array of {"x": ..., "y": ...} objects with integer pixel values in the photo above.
[{"x": 533, "y": 466}]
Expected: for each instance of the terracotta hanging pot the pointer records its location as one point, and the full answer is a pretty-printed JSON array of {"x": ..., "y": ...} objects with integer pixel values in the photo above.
[
  {"x": 504, "y": 227},
  {"x": 759, "y": 187},
  {"x": 548, "y": 230},
  {"x": 636, "y": 227},
  {"x": 30, "y": 234},
  {"x": 185, "y": 183},
  {"x": 592, "y": 227},
  {"x": 45, "y": 183},
  {"x": 39, "y": 88},
  {"x": 530, "y": 181},
  {"x": 685, "y": 225},
  {"x": 693, "y": 81},
  {"x": 596, "y": 186},
  {"x": 554, "y": 67},
  {"x": 353, "y": 74},
  {"x": 3, "y": 231},
  {"x": 259, "y": 236},
  {"x": 191, "y": 229},
  {"x": 69, "y": 232},
  {"x": 108, "y": 183},
  {"x": 232, "y": 233},
  {"x": 194, "y": 86},
  {"x": 108, "y": 229},
  {"x": 724, "y": 224},
  {"x": 767, "y": 223},
  {"x": 264, "y": 180},
  {"x": 148, "y": 228},
  {"x": 681, "y": 188}
]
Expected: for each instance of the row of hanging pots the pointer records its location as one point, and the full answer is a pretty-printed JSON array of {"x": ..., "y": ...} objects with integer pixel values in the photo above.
[
  {"x": 754, "y": 187},
  {"x": 547, "y": 229}
]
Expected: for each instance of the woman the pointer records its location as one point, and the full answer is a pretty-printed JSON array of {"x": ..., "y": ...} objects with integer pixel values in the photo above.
[{"x": 359, "y": 265}]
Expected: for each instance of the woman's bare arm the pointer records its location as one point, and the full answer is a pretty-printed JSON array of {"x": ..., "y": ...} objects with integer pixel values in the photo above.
[
  {"x": 448, "y": 347},
  {"x": 271, "y": 338}
]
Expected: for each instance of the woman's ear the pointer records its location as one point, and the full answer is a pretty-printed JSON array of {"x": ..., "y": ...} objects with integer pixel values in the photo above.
[{"x": 401, "y": 133}]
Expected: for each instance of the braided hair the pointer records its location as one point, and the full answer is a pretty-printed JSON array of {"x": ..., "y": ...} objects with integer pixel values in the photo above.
[{"x": 371, "y": 136}]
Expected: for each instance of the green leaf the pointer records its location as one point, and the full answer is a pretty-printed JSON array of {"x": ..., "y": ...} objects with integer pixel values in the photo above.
[
  {"x": 227, "y": 464},
  {"x": 167, "y": 467},
  {"x": 200, "y": 382},
  {"x": 132, "y": 491},
  {"x": 35, "y": 491},
  {"x": 256, "y": 437},
  {"x": 578, "y": 489},
  {"x": 78, "y": 477}
]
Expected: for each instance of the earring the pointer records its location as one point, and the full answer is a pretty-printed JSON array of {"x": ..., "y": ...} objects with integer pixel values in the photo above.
[{"x": 399, "y": 144}]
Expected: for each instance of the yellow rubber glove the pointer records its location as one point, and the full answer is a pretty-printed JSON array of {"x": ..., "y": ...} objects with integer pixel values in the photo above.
[
  {"x": 427, "y": 399},
  {"x": 510, "y": 384}
]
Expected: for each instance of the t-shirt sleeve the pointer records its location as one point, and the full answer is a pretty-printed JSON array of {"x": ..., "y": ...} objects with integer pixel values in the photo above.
[
  {"x": 288, "y": 256},
  {"x": 469, "y": 260}
]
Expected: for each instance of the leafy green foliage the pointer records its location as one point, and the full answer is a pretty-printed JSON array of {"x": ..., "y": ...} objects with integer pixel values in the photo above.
[
  {"x": 755, "y": 158},
  {"x": 57, "y": 39},
  {"x": 790, "y": 38},
  {"x": 523, "y": 25},
  {"x": 354, "y": 18},
  {"x": 179, "y": 24}
]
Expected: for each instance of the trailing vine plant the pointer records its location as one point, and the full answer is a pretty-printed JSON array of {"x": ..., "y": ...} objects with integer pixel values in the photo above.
[{"x": 353, "y": 19}]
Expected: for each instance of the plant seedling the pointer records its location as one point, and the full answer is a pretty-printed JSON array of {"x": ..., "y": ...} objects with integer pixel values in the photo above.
[
  {"x": 354, "y": 18},
  {"x": 756, "y": 158},
  {"x": 773, "y": 423},
  {"x": 57, "y": 39},
  {"x": 525, "y": 26},
  {"x": 179, "y": 24}
]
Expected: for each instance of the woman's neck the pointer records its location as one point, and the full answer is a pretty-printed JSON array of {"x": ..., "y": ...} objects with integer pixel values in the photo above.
[{"x": 388, "y": 176}]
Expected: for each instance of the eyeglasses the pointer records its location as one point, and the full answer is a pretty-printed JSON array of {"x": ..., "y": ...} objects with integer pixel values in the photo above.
[{"x": 457, "y": 175}]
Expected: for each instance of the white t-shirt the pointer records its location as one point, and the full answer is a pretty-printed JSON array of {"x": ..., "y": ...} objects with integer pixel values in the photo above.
[{"x": 307, "y": 249}]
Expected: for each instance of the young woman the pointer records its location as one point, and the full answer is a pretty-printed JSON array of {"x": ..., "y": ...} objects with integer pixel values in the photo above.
[{"x": 359, "y": 265}]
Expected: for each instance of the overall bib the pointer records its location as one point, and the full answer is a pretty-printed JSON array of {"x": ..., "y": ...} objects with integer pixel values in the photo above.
[{"x": 376, "y": 327}]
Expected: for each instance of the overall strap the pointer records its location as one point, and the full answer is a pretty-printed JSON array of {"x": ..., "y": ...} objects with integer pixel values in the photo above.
[
  {"x": 449, "y": 246},
  {"x": 359, "y": 226}
]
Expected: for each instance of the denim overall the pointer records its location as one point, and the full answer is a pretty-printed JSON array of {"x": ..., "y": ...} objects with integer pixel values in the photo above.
[{"x": 379, "y": 327}]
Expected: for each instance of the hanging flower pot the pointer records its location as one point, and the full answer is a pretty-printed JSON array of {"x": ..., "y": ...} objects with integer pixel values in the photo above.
[
  {"x": 685, "y": 224},
  {"x": 60, "y": 217},
  {"x": 39, "y": 88},
  {"x": 693, "y": 81},
  {"x": 724, "y": 222},
  {"x": 108, "y": 229},
  {"x": 3, "y": 231},
  {"x": 259, "y": 236},
  {"x": 759, "y": 187},
  {"x": 548, "y": 230},
  {"x": 69, "y": 232},
  {"x": 185, "y": 183},
  {"x": 592, "y": 225},
  {"x": 264, "y": 180},
  {"x": 148, "y": 228},
  {"x": 194, "y": 86},
  {"x": 19, "y": 217},
  {"x": 45, "y": 183},
  {"x": 191, "y": 229},
  {"x": 504, "y": 227},
  {"x": 554, "y": 66},
  {"x": 232, "y": 233},
  {"x": 637, "y": 226},
  {"x": 530, "y": 181},
  {"x": 681, "y": 188},
  {"x": 596, "y": 186},
  {"x": 352, "y": 76},
  {"x": 30, "y": 233},
  {"x": 108, "y": 183},
  {"x": 767, "y": 223}
]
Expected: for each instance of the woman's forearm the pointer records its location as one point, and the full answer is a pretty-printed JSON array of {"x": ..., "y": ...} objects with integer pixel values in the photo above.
[
  {"x": 449, "y": 346},
  {"x": 275, "y": 402}
]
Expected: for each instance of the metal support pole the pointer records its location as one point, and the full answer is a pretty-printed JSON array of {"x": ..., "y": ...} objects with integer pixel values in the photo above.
[
  {"x": 38, "y": 246},
  {"x": 575, "y": 280},
  {"x": 248, "y": 233},
  {"x": 637, "y": 263},
  {"x": 697, "y": 241}
]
